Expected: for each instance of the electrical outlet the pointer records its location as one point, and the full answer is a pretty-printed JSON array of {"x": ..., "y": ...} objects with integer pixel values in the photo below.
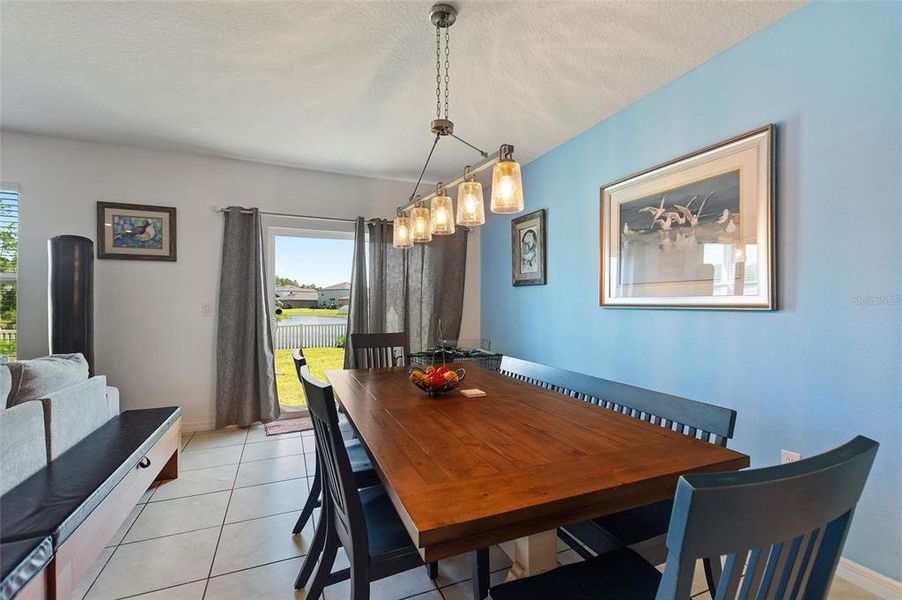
[
  {"x": 206, "y": 309},
  {"x": 788, "y": 456}
]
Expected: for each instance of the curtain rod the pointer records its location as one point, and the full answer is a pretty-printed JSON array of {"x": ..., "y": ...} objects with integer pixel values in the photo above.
[{"x": 220, "y": 209}]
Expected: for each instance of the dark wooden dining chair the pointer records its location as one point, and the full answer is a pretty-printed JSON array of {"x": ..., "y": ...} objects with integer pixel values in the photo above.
[
  {"x": 360, "y": 464},
  {"x": 642, "y": 528},
  {"x": 788, "y": 550},
  {"x": 379, "y": 350},
  {"x": 363, "y": 521}
]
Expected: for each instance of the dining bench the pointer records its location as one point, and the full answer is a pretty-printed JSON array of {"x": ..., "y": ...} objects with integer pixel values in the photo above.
[{"x": 57, "y": 521}]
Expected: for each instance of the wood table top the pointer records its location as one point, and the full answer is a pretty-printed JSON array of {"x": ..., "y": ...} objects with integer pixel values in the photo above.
[{"x": 466, "y": 473}]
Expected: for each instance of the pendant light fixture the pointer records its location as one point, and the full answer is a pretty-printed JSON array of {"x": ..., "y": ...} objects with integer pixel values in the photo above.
[
  {"x": 470, "y": 207},
  {"x": 419, "y": 222},
  {"x": 507, "y": 186},
  {"x": 402, "y": 232},
  {"x": 442, "y": 214}
]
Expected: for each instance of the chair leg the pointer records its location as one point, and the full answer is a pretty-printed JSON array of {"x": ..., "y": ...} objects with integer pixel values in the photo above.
[
  {"x": 311, "y": 503},
  {"x": 326, "y": 562},
  {"x": 316, "y": 549},
  {"x": 479, "y": 569},
  {"x": 432, "y": 569},
  {"x": 360, "y": 577}
]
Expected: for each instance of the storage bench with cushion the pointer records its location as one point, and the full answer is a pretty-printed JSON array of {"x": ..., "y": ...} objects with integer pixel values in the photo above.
[
  {"x": 72, "y": 470},
  {"x": 81, "y": 498}
]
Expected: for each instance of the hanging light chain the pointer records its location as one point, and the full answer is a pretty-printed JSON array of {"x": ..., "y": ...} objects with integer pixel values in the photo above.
[
  {"x": 447, "y": 66},
  {"x": 438, "y": 72}
]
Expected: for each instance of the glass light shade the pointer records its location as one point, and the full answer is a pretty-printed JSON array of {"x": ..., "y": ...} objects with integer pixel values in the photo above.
[
  {"x": 419, "y": 220},
  {"x": 507, "y": 187},
  {"x": 402, "y": 236},
  {"x": 442, "y": 222},
  {"x": 470, "y": 209}
]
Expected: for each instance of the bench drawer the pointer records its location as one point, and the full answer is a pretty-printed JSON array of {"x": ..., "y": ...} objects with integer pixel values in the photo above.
[{"x": 75, "y": 556}]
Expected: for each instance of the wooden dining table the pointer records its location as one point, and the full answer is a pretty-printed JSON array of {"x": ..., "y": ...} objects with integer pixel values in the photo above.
[{"x": 512, "y": 466}]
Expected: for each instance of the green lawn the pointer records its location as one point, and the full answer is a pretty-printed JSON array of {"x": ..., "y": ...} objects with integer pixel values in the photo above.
[
  {"x": 308, "y": 312},
  {"x": 320, "y": 360},
  {"x": 8, "y": 348}
]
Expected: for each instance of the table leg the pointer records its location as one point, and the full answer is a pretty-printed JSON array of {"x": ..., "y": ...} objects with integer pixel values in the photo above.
[{"x": 532, "y": 554}]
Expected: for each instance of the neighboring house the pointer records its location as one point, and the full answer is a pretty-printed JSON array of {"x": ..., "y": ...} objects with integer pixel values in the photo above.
[
  {"x": 297, "y": 298},
  {"x": 285, "y": 290},
  {"x": 335, "y": 295}
]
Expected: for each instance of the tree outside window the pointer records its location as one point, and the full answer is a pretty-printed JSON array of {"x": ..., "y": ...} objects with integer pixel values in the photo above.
[{"x": 9, "y": 268}]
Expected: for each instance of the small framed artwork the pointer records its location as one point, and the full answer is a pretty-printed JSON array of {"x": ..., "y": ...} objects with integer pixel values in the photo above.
[
  {"x": 528, "y": 244},
  {"x": 135, "y": 231},
  {"x": 696, "y": 232}
]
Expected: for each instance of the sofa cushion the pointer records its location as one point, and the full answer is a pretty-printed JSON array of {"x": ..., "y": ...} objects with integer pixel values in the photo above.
[
  {"x": 22, "y": 448},
  {"x": 34, "y": 379},
  {"x": 57, "y": 499},
  {"x": 72, "y": 413}
]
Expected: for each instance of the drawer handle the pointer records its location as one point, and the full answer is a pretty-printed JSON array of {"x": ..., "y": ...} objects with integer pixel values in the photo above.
[{"x": 145, "y": 462}]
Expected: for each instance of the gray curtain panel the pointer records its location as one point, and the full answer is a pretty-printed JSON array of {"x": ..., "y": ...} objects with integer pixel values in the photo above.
[
  {"x": 413, "y": 290},
  {"x": 357, "y": 303},
  {"x": 388, "y": 281},
  {"x": 435, "y": 289},
  {"x": 245, "y": 366}
]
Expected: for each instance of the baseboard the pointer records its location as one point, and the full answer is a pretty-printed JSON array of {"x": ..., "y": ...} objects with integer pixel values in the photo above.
[
  {"x": 193, "y": 426},
  {"x": 872, "y": 581}
]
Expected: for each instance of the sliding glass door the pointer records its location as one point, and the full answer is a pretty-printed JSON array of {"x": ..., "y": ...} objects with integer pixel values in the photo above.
[{"x": 310, "y": 274}]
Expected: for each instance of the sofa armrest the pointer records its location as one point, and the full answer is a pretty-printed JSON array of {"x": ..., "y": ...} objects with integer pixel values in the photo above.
[
  {"x": 73, "y": 413},
  {"x": 112, "y": 401},
  {"x": 22, "y": 449}
]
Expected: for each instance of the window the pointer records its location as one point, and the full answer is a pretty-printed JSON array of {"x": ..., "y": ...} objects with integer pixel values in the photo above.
[{"x": 9, "y": 269}]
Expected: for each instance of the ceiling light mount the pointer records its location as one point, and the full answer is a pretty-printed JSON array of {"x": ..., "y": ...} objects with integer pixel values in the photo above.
[
  {"x": 443, "y": 15},
  {"x": 442, "y": 127},
  {"x": 507, "y": 193}
]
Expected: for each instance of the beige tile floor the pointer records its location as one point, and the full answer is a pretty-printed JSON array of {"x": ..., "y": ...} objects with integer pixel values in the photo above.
[{"x": 222, "y": 530}]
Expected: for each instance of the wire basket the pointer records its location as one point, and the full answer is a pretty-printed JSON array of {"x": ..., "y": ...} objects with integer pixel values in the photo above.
[{"x": 482, "y": 358}]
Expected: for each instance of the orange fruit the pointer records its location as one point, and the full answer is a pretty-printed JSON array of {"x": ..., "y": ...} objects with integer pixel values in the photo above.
[{"x": 451, "y": 377}]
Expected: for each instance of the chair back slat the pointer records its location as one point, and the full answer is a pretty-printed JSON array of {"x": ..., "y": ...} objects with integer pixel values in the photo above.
[
  {"x": 299, "y": 361},
  {"x": 783, "y": 527},
  {"x": 379, "y": 350},
  {"x": 339, "y": 484},
  {"x": 671, "y": 412}
]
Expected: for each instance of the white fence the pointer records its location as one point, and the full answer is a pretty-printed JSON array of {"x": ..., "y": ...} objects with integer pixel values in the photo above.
[
  {"x": 7, "y": 335},
  {"x": 308, "y": 336}
]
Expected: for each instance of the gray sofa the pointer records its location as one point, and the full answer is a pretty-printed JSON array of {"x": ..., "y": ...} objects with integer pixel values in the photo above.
[{"x": 50, "y": 405}]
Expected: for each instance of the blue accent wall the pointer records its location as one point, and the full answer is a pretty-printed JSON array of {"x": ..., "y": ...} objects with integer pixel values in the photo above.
[{"x": 826, "y": 366}]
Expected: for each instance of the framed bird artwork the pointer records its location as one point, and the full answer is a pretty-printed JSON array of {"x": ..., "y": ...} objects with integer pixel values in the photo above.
[
  {"x": 696, "y": 232},
  {"x": 135, "y": 231}
]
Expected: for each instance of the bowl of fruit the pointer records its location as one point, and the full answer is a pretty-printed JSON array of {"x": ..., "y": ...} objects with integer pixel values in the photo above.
[{"x": 436, "y": 381}]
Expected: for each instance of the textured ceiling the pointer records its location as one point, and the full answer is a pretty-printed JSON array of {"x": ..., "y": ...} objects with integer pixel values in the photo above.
[{"x": 347, "y": 86}]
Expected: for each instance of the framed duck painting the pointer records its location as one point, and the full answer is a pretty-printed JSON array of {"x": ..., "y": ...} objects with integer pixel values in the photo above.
[
  {"x": 696, "y": 232},
  {"x": 136, "y": 231}
]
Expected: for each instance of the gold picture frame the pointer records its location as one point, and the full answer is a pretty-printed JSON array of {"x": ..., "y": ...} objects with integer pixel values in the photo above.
[{"x": 696, "y": 232}]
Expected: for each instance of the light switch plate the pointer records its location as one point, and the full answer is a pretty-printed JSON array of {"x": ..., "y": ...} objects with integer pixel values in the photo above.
[{"x": 788, "y": 456}]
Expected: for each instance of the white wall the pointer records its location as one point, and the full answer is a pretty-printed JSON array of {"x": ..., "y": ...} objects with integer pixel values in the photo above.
[{"x": 151, "y": 339}]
